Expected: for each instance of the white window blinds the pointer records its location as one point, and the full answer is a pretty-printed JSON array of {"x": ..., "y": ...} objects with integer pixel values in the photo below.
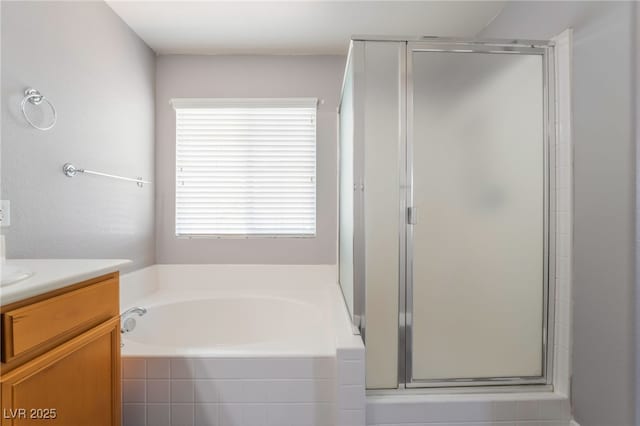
[{"x": 245, "y": 167}]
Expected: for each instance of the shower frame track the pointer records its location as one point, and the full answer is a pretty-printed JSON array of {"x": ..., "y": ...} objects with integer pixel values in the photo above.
[{"x": 405, "y": 341}]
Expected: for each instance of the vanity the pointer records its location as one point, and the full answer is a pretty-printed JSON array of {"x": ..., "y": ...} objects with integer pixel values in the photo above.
[{"x": 60, "y": 344}]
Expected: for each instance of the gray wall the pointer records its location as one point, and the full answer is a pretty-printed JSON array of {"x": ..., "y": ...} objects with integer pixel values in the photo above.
[
  {"x": 603, "y": 132},
  {"x": 181, "y": 76},
  {"x": 100, "y": 76}
]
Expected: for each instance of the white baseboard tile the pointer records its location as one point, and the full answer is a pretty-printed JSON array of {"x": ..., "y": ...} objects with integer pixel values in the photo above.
[{"x": 546, "y": 409}]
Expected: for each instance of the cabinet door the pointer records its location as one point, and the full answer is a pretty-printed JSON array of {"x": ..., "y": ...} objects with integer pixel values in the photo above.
[{"x": 75, "y": 384}]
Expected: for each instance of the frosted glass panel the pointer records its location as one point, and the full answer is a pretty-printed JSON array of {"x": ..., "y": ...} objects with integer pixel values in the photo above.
[
  {"x": 382, "y": 224},
  {"x": 346, "y": 190},
  {"x": 478, "y": 245}
]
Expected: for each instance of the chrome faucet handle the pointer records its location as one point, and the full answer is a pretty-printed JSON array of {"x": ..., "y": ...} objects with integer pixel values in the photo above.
[
  {"x": 128, "y": 325},
  {"x": 128, "y": 322}
]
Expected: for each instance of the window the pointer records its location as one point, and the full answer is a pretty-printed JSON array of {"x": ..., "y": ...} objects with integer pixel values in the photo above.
[{"x": 245, "y": 167}]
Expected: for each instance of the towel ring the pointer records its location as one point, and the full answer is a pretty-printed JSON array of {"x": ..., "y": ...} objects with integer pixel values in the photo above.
[{"x": 35, "y": 98}]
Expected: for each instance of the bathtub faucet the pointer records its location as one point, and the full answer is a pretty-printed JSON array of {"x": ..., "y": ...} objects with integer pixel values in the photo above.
[{"x": 127, "y": 320}]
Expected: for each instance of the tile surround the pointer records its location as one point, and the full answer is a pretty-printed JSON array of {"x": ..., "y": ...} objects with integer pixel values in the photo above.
[{"x": 245, "y": 392}]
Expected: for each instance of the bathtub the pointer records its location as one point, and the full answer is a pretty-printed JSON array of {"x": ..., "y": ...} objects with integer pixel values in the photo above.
[
  {"x": 240, "y": 345},
  {"x": 234, "y": 325}
]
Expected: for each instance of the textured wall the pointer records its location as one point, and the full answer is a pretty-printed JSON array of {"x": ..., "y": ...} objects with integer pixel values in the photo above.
[
  {"x": 100, "y": 76},
  {"x": 180, "y": 76}
]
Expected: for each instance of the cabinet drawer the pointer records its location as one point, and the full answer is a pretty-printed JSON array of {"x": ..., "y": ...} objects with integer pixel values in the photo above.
[{"x": 65, "y": 315}]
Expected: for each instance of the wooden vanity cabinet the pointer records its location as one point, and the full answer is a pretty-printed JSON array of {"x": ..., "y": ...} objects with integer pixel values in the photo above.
[{"x": 60, "y": 355}]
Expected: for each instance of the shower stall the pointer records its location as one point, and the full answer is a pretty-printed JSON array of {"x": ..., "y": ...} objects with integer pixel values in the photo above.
[{"x": 446, "y": 244}]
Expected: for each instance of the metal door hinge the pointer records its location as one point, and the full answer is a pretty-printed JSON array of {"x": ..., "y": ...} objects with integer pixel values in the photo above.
[{"x": 412, "y": 215}]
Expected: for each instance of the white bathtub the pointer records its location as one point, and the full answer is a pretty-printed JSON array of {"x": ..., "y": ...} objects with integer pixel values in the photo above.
[
  {"x": 240, "y": 344},
  {"x": 231, "y": 325}
]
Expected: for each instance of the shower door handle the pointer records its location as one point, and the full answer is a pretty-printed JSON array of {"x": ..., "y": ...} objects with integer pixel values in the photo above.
[{"x": 412, "y": 215}]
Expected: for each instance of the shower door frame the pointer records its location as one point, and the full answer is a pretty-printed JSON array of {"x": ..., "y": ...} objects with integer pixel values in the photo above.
[{"x": 405, "y": 340}]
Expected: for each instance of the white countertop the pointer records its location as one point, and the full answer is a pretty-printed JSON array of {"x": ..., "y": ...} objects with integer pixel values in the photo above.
[{"x": 52, "y": 274}]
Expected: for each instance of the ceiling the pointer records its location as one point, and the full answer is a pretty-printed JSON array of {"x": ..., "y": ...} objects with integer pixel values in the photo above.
[{"x": 293, "y": 27}]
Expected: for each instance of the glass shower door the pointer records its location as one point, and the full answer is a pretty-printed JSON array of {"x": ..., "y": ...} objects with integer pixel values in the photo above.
[{"x": 477, "y": 238}]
